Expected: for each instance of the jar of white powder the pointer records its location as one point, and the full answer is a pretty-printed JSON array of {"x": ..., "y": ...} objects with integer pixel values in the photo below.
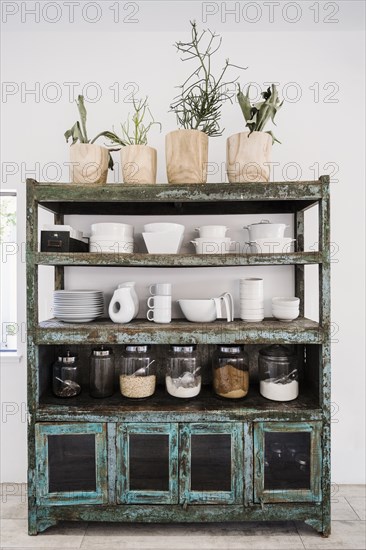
[
  {"x": 278, "y": 373},
  {"x": 183, "y": 374}
]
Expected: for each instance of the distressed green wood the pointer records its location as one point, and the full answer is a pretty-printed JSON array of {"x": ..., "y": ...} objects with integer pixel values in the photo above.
[
  {"x": 100, "y": 495},
  {"x": 189, "y": 496},
  {"x": 299, "y": 269},
  {"x": 114, "y": 259},
  {"x": 112, "y": 461},
  {"x": 299, "y": 495},
  {"x": 125, "y": 495},
  {"x": 179, "y": 331},
  {"x": 248, "y": 463}
]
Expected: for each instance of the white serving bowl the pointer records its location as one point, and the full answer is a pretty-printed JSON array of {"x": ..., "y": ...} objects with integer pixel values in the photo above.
[
  {"x": 281, "y": 301},
  {"x": 210, "y": 245},
  {"x": 271, "y": 245},
  {"x": 110, "y": 245},
  {"x": 198, "y": 311},
  {"x": 285, "y": 314},
  {"x": 111, "y": 230},
  {"x": 168, "y": 242},
  {"x": 215, "y": 231},
  {"x": 162, "y": 227},
  {"x": 265, "y": 229}
]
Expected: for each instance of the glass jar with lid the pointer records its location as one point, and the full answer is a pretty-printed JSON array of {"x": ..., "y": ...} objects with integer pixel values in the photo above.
[
  {"x": 137, "y": 377},
  {"x": 101, "y": 383},
  {"x": 278, "y": 373},
  {"x": 183, "y": 373},
  {"x": 230, "y": 373},
  {"x": 66, "y": 379}
]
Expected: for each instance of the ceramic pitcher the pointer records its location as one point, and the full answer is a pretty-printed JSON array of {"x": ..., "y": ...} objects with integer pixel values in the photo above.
[{"x": 122, "y": 306}]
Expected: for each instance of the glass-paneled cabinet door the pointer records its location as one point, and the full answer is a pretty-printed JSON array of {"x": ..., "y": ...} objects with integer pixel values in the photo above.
[
  {"x": 211, "y": 463},
  {"x": 71, "y": 463},
  {"x": 147, "y": 463},
  {"x": 288, "y": 459}
]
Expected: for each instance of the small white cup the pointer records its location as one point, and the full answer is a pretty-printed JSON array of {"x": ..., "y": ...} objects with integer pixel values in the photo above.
[
  {"x": 161, "y": 289},
  {"x": 159, "y": 302},
  {"x": 160, "y": 315}
]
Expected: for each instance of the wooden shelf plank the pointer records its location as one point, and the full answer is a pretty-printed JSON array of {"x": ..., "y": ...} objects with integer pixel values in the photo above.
[
  {"x": 174, "y": 260},
  {"x": 179, "y": 331}
]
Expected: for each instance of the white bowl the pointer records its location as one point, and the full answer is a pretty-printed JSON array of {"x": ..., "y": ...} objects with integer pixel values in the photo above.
[
  {"x": 215, "y": 231},
  {"x": 112, "y": 230},
  {"x": 210, "y": 245},
  {"x": 285, "y": 315},
  {"x": 251, "y": 318},
  {"x": 198, "y": 311},
  {"x": 163, "y": 243},
  {"x": 285, "y": 302},
  {"x": 162, "y": 227},
  {"x": 265, "y": 229},
  {"x": 271, "y": 245},
  {"x": 111, "y": 245}
]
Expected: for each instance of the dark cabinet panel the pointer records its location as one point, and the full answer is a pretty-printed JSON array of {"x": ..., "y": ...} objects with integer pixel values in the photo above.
[
  {"x": 149, "y": 462},
  {"x": 211, "y": 462}
]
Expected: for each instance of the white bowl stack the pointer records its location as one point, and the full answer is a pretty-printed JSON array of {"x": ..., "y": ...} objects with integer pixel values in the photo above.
[
  {"x": 78, "y": 306},
  {"x": 251, "y": 300},
  {"x": 111, "y": 237},
  {"x": 212, "y": 240},
  {"x": 267, "y": 237},
  {"x": 285, "y": 309},
  {"x": 163, "y": 238}
]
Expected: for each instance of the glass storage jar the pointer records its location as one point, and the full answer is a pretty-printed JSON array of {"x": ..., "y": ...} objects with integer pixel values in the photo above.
[
  {"x": 230, "y": 372},
  {"x": 278, "y": 373},
  {"x": 137, "y": 377},
  {"x": 66, "y": 379},
  {"x": 183, "y": 374},
  {"x": 101, "y": 378}
]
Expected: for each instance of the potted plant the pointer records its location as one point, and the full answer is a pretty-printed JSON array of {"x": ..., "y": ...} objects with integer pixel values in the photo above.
[
  {"x": 138, "y": 160},
  {"x": 197, "y": 109},
  {"x": 89, "y": 162},
  {"x": 248, "y": 154}
]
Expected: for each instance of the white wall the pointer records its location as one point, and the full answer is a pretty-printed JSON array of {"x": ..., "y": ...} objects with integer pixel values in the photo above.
[{"x": 313, "y": 133}]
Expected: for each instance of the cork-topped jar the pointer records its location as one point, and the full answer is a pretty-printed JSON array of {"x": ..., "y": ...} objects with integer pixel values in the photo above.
[{"x": 230, "y": 372}]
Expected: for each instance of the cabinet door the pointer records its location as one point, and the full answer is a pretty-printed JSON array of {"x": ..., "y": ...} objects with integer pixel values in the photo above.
[
  {"x": 211, "y": 463},
  {"x": 71, "y": 463},
  {"x": 287, "y": 462},
  {"x": 147, "y": 463}
]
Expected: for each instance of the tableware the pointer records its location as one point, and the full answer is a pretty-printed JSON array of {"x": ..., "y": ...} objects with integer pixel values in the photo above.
[
  {"x": 162, "y": 289},
  {"x": 215, "y": 231},
  {"x": 135, "y": 298},
  {"x": 285, "y": 302},
  {"x": 251, "y": 304},
  {"x": 77, "y": 306},
  {"x": 160, "y": 315},
  {"x": 168, "y": 242},
  {"x": 157, "y": 302},
  {"x": 199, "y": 311},
  {"x": 251, "y": 318},
  {"x": 112, "y": 230},
  {"x": 251, "y": 288},
  {"x": 265, "y": 229},
  {"x": 163, "y": 227},
  {"x": 285, "y": 315},
  {"x": 271, "y": 245},
  {"x": 122, "y": 307},
  {"x": 210, "y": 245},
  {"x": 97, "y": 245}
]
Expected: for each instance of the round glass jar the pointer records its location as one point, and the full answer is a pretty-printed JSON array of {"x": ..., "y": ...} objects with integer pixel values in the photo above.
[
  {"x": 230, "y": 372},
  {"x": 101, "y": 378},
  {"x": 278, "y": 373},
  {"x": 137, "y": 378},
  {"x": 183, "y": 373},
  {"x": 66, "y": 379}
]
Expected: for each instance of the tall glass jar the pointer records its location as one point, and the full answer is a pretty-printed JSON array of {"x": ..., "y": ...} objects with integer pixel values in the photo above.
[
  {"x": 137, "y": 377},
  {"x": 101, "y": 383},
  {"x": 230, "y": 372},
  {"x": 183, "y": 374},
  {"x": 66, "y": 379},
  {"x": 278, "y": 373}
]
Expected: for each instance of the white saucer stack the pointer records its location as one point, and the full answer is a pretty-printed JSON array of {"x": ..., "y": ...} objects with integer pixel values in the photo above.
[
  {"x": 78, "y": 306},
  {"x": 251, "y": 300}
]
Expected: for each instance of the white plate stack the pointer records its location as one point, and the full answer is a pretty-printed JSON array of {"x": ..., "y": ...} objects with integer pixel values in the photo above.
[
  {"x": 212, "y": 240},
  {"x": 111, "y": 237},
  {"x": 285, "y": 309},
  {"x": 251, "y": 300},
  {"x": 78, "y": 306}
]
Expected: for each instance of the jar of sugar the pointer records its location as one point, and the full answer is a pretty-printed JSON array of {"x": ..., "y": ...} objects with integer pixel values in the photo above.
[
  {"x": 278, "y": 373},
  {"x": 183, "y": 373}
]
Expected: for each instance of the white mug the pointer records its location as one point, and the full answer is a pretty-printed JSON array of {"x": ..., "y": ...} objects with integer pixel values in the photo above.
[
  {"x": 159, "y": 302},
  {"x": 161, "y": 289},
  {"x": 160, "y": 315}
]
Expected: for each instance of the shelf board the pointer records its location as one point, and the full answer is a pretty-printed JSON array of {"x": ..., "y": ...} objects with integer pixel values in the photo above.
[
  {"x": 173, "y": 260},
  {"x": 167, "y": 199},
  {"x": 201, "y": 408},
  {"x": 179, "y": 331}
]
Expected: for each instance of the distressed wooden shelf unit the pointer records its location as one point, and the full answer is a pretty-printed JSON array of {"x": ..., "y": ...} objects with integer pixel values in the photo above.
[{"x": 208, "y": 459}]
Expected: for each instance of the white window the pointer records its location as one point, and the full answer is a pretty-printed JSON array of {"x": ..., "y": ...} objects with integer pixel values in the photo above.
[{"x": 8, "y": 272}]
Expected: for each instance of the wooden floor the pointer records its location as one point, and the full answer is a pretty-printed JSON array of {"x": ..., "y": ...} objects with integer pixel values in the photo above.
[{"x": 348, "y": 530}]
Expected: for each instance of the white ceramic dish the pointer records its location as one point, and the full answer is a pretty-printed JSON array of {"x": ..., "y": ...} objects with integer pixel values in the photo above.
[
  {"x": 210, "y": 245},
  {"x": 215, "y": 231},
  {"x": 162, "y": 227},
  {"x": 251, "y": 318},
  {"x": 265, "y": 229},
  {"x": 163, "y": 243},
  {"x": 282, "y": 315},
  {"x": 271, "y": 245},
  {"x": 110, "y": 245},
  {"x": 281, "y": 301},
  {"x": 112, "y": 230},
  {"x": 199, "y": 311}
]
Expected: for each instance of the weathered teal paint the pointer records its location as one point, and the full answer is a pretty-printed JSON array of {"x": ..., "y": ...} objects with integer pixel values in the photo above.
[
  {"x": 288, "y": 495},
  {"x": 126, "y": 495},
  {"x": 100, "y": 496}
]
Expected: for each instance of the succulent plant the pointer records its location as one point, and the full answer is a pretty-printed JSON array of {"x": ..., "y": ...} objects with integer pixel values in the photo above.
[
  {"x": 79, "y": 133},
  {"x": 258, "y": 114},
  {"x": 198, "y": 106}
]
